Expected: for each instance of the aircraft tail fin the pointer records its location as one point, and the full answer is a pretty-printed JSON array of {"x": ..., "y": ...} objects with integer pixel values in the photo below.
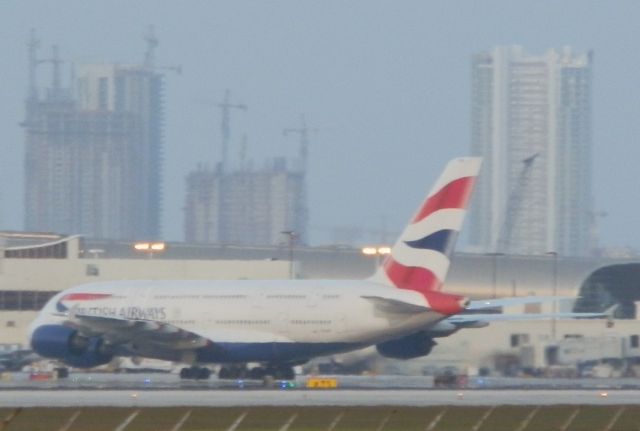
[{"x": 420, "y": 258}]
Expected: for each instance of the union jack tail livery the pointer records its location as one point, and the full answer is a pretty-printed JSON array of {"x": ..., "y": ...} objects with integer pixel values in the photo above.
[{"x": 420, "y": 258}]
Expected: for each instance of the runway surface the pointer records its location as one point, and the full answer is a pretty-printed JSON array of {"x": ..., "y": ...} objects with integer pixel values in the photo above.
[{"x": 300, "y": 397}]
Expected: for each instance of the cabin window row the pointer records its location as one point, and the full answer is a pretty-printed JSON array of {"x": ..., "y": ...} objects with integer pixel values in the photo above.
[
  {"x": 311, "y": 322},
  {"x": 233, "y": 296},
  {"x": 242, "y": 322}
]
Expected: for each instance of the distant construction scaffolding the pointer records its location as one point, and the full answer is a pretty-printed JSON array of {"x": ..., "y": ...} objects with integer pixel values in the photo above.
[
  {"x": 249, "y": 207},
  {"x": 94, "y": 150},
  {"x": 244, "y": 205}
]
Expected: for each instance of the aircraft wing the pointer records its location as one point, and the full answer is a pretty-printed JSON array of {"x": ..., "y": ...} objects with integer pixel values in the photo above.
[{"x": 120, "y": 331}]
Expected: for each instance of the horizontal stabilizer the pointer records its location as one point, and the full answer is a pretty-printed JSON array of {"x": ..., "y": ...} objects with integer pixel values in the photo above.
[
  {"x": 393, "y": 306},
  {"x": 466, "y": 318},
  {"x": 482, "y": 304}
]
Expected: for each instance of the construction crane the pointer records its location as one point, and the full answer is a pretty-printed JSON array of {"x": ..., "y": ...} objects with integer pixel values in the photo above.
[
  {"x": 55, "y": 60},
  {"x": 150, "y": 53},
  {"x": 303, "y": 132},
  {"x": 34, "y": 62},
  {"x": 514, "y": 204},
  {"x": 226, "y": 106},
  {"x": 152, "y": 44},
  {"x": 33, "y": 44}
]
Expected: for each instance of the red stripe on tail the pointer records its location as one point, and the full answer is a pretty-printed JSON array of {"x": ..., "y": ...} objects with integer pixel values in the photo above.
[
  {"x": 445, "y": 303},
  {"x": 425, "y": 282},
  {"x": 411, "y": 278},
  {"x": 456, "y": 194}
]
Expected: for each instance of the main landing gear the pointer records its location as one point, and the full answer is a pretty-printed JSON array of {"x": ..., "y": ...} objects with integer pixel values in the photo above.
[
  {"x": 234, "y": 372},
  {"x": 278, "y": 372},
  {"x": 195, "y": 373}
]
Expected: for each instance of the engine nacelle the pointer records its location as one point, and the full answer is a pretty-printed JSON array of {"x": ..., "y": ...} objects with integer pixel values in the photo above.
[
  {"x": 409, "y": 347},
  {"x": 69, "y": 346}
]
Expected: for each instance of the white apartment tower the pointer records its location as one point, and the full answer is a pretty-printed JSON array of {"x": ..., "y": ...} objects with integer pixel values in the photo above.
[{"x": 531, "y": 121}]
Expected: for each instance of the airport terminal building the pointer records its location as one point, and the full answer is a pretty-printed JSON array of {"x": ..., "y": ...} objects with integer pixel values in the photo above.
[{"x": 34, "y": 267}]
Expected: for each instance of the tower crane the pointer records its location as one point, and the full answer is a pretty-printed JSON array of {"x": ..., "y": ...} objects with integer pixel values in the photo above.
[
  {"x": 226, "y": 106},
  {"x": 303, "y": 132},
  {"x": 514, "y": 204},
  {"x": 152, "y": 44},
  {"x": 150, "y": 53}
]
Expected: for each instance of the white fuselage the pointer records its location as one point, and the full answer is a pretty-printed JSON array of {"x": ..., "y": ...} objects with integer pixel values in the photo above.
[{"x": 253, "y": 311}]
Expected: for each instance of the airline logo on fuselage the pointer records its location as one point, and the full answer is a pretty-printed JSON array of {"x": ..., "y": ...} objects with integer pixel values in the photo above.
[{"x": 78, "y": 302}]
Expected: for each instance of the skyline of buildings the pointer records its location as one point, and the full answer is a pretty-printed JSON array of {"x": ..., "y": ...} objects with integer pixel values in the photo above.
[
  {"x": 531, "y": 121},
  {"x": 93, "y": 153},
  {"x": 93, "y": 159}
]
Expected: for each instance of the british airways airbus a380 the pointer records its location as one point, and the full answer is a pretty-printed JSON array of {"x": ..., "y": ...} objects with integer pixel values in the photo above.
[{"x": 278, "y": 324}]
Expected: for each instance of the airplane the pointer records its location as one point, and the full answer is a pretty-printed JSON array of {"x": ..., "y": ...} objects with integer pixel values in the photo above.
[{"x": 280, "y": 324}]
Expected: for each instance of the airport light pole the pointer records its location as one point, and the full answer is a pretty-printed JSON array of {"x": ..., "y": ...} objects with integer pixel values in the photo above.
[
  {"x": 494, "y": 273},
  {"x": 554, "y": 288},
  {"x": 291, "y": 237}
]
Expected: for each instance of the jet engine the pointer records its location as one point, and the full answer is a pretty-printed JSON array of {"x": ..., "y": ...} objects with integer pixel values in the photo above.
[
  {"x": 71, "y": 347},
  {"x": 409, "y": 347}
]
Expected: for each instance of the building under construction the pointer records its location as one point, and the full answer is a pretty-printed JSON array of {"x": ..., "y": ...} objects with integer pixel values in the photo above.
[
  {"x": 94, "y": 149},
  {"x": 247, "y": 206}
]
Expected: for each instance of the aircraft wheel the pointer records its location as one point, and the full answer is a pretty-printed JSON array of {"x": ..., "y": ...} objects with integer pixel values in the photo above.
[
  {"x": 224, "y": 373},
  {"x": 186, "y": 373},
  {"x": 203, "y": 373},
  {"x": 239, "y": 372},
  {"x": 62, "y": 373}
]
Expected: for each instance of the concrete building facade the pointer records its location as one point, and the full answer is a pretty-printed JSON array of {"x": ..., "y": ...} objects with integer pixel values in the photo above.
[
  {"x": 246, "y": 207},
  {"x": 531, "y": 121}
]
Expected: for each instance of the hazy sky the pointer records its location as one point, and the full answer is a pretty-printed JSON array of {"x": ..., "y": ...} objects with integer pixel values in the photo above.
[{"x": 386, "y": 82}]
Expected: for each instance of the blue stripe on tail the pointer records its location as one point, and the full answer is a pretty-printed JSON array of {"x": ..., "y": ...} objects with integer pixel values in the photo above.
[{"x": 441, "y": 241}]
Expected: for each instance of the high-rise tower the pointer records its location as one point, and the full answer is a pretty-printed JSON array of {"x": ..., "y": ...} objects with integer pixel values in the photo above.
[
  {"x": 93, "y": 158},
  {"x": 531, "y": 121}
]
